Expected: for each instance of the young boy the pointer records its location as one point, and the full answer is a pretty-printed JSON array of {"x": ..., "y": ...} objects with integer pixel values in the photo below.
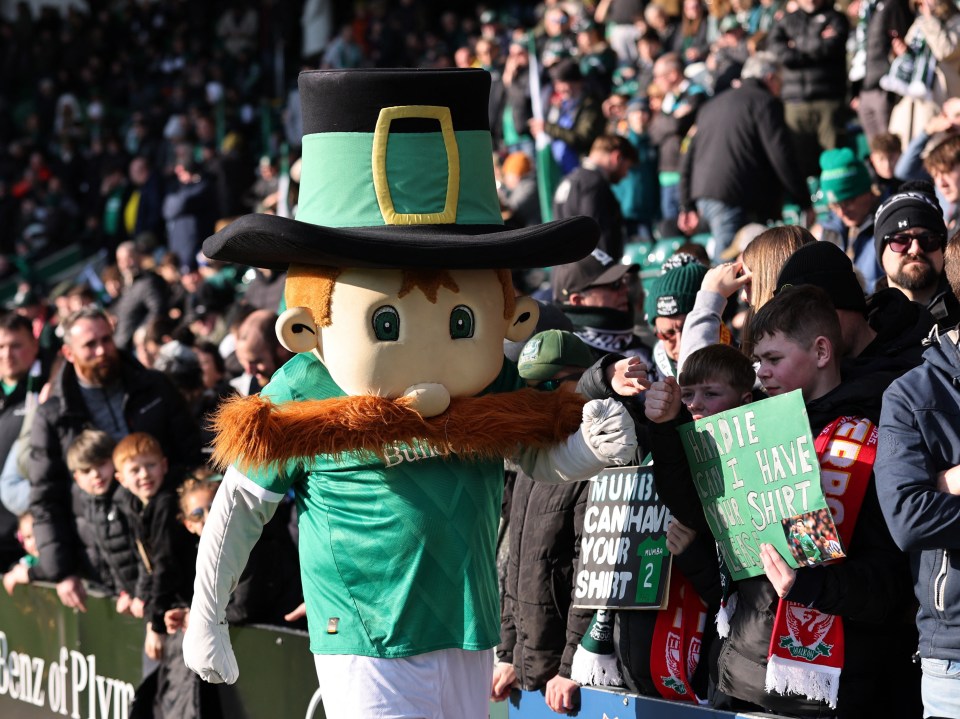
[
  {"x": 165, "y": 549},
  {"x": 796, "y": 334},
  {"x": 105, "y": 533},
  {"x": 714, "y": 379},
  {"x": 20, "y": 572}
]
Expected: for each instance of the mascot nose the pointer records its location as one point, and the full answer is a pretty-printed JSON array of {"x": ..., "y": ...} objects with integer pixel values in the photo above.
[{"x": 428, "y": 398}]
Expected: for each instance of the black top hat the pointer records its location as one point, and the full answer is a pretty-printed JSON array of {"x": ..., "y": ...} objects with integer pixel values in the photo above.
[{"x": 397, "y": 171}]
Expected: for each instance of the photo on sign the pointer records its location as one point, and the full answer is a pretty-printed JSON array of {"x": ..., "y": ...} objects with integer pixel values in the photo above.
[{"x": 812, "y": 537}]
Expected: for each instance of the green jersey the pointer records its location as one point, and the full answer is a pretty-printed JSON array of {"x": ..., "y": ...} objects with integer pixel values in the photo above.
[
  {"x": 397, "y": 556},
  {"x": 809, "y": 547}
]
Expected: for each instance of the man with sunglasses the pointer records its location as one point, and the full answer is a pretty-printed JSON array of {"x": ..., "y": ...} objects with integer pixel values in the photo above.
[{"x": 910, "y": 236}]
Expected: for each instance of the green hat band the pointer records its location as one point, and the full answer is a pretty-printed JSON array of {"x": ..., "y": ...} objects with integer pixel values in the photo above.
[{"x": 355, "y": 179}]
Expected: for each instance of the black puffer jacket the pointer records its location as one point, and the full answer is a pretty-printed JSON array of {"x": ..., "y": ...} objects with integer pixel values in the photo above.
[
  {"x": 539, "y": 631},
  {"x": 151, "y": 405},
  {"x": 108, "y": 538},
  {"x": 812, "y": 48}
]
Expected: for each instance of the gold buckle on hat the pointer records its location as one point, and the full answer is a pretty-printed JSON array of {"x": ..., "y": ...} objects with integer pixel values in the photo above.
[{"x": 379, "y": 162}]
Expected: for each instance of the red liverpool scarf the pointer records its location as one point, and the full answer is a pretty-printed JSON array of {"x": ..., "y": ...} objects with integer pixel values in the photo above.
[
  {"x": 806, "y": 648},
  {"x": 677, "y": 636}
]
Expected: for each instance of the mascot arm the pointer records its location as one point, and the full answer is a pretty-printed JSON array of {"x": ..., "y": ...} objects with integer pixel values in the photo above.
[
  {"x": 607, "y": 437},
  {"x": 239, "y": 512}
]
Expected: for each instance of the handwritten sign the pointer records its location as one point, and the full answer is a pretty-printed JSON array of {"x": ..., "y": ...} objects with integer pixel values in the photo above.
[
  {"x": 756, "y": 471},
  {"x": 624, "y": 562}
]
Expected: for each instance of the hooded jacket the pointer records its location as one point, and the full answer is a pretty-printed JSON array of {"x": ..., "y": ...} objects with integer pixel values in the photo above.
[{"x": 920, "y": 437}]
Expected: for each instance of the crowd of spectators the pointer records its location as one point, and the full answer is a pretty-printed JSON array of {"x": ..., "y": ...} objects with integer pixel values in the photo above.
[{"x": 133, "y": 130}]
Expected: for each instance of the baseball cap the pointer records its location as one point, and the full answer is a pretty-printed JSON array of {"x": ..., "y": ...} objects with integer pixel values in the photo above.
[
  {"x": 597, "y": 268},
  {"x": 547, "y": 353}
]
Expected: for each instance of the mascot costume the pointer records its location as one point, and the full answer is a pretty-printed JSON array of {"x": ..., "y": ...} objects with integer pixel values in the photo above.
[{"x": 391, "y": 422}]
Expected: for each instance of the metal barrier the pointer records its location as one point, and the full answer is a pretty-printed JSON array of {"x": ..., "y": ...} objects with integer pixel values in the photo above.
[{"x": 57, "y": 662}]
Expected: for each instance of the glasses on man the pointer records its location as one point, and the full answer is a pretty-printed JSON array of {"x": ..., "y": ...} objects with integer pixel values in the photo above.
[
  {"x": 548, "y": 385},
  {"x": 928, "y": 242},
  {"x": 669, "y": 335}
]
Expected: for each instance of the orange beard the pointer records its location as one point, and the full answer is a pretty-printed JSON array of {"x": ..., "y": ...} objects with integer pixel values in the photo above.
[{"x": 254, "y": 433}]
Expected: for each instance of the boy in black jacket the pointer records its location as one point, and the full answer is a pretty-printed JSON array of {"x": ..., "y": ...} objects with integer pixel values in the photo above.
[
  {"x": 796, "y": 334},
  {"x": 105, "y": 533},
  {"x": 166, "y": 551}
]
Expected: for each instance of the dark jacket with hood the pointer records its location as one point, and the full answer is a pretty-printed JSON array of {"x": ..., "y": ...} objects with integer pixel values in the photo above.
[
  {"x": 151, "y": 405},
  {"x": 901, "y": 327},
  {"x": 920, "y": 437}
]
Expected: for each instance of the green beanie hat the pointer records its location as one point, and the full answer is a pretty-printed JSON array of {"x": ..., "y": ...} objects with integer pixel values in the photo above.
[
  {"x": 842, "y": 175},
  {"x": 674, "y": 292},
  {"x": 548, "y": 352}
]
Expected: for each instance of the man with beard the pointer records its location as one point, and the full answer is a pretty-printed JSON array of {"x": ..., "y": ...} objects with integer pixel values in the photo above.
[
  {"x": 910, "y": 236},
  {"x": 21, "y": 376},
  {"x": 99, "y": 387}
]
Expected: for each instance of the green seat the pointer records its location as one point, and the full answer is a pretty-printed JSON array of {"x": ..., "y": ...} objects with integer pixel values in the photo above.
[
  {"x": 636, "y": 253},
  {"x": 661, "y": 251}
]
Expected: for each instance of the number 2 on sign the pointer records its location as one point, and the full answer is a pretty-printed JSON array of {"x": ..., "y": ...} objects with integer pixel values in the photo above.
[{"x": 651, "y": 553}]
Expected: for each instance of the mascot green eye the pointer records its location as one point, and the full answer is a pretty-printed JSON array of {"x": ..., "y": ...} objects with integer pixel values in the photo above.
[
  {"x": 386, "y": 324},
  {"x": 461, "y": 322}
]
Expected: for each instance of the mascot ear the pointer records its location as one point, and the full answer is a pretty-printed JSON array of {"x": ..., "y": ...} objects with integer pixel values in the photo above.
[
  {"x": 524, "y": 320},
  {"x": 297, "y": 331}
]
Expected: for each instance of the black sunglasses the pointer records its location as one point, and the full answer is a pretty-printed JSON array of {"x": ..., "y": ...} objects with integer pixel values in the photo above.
[
  {"x": 548, "y": 385},
  {"x": 928, "y": 242}
]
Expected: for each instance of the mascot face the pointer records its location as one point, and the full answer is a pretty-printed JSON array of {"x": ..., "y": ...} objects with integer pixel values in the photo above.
[{"x": 425, "y": 335}]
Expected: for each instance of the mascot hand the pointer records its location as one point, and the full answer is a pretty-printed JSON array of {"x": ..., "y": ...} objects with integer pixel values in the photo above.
[
  {"x": 207, "y": 651},
  {"x": 608, "y": 431}
]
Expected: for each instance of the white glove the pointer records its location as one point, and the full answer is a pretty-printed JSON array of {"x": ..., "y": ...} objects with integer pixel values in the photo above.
[
  {"x": 606, "y": 437},
  {"x": 234, "y": 524},
  {"x": 609, "y": 431}
]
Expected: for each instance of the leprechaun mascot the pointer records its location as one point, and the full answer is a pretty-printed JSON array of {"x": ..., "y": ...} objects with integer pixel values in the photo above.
[{"x": 391, "y": 422}]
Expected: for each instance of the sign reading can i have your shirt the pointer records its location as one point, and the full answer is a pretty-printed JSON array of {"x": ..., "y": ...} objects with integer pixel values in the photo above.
[
  {"x": 756, "y": 471},
  {"x": 624, "y": 562}
]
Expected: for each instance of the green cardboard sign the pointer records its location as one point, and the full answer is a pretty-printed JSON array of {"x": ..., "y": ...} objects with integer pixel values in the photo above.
[{"x": 756, "y": 471}]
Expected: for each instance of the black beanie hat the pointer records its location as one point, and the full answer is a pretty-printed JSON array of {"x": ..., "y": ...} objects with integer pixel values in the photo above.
[
  {"x": 914, "y": 205},
  {"x": 827, "y": 266}
]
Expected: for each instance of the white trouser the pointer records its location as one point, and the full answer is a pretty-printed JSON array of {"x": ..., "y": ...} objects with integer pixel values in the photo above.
[{"x": 438, "y": 685}]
